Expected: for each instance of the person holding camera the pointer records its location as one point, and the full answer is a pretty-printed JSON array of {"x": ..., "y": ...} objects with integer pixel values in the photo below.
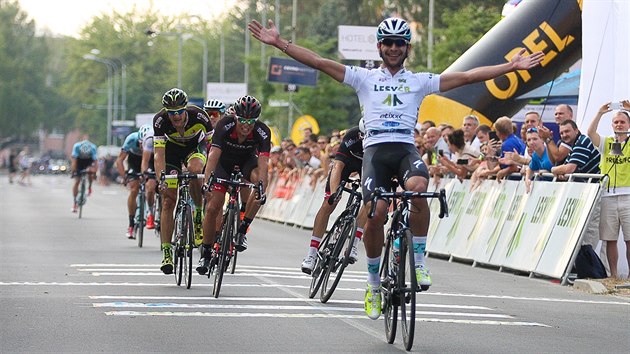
[
  {"x": 615, "y": 162},
  {"x": 465, "y": 157}
]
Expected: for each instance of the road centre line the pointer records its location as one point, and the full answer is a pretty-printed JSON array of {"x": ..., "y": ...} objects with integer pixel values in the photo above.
[
  {"x": 362, "y": 290},
  {"x": 313, "y": 316}
]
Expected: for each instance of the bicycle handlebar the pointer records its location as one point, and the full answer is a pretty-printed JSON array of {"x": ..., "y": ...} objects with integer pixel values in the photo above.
[
  {"x": 236, "y": 182},
  {"x": 342, "y": 187},
  {"x": 406, "y": 195}
]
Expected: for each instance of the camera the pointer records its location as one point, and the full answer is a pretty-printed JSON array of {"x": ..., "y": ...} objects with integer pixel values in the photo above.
[
  {"x": 615, "y": 105},
  {"x": 441, "y": 152}
]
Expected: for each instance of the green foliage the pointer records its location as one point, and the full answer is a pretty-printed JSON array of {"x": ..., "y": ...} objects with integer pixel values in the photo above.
[{"x": 46, "y": 82}]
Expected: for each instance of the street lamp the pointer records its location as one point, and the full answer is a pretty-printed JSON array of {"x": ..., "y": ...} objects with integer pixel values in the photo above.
[
  {"x": 181, "y": 37},
  {"x": 110, "y": 69}
]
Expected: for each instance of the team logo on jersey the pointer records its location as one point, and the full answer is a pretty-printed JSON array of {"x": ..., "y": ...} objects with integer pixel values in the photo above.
[
  {"x": 390, "y": 124},
  {"x": 203, "y": 117},
  {"x": 402, "y": 80},
  {"x": 158, "y": 122},
  {"x": 262, "y": 133},
  {"x": 230, "y": 125},
  {"x": 368, "y": 184},
  {"x": 390, "y": 115},
  {"x": 418, "y": 163},
  {"x": 383, "y": 79}
]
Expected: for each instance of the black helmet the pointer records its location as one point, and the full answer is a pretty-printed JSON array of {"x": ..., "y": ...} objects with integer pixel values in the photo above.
[
  {"x": 247, "y": 107},
  {"x": 174, "y": 99}
]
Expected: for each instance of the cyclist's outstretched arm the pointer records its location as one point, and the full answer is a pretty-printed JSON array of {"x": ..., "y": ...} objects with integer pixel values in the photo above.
[
  {"x": 271, "y": 36},
  {"x": 213, "y": 160},
  {"x": 453, "y": 80},
  {"x": 263, "y": 167}
]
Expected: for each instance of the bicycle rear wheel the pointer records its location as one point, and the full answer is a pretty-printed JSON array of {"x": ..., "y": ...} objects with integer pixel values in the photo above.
[
  {"x": 157, "y": 214},
  {"x": 338, "y": 261},
  {"x": 139, "y": 226},
  {"x": 226, "y": 243},
  {"x": 81, "y": 197},
  {"x": 390, "y": 303},
  {"x": 407, "y": 284}
]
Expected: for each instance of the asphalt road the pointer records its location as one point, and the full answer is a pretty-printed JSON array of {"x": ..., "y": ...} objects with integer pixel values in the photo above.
[{"x": 70, "y": 285}]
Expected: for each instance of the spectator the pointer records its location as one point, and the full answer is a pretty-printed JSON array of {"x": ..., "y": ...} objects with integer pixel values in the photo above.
[
  {"x": 305, "y": 159},
  {"x": 12, "y": 164},
  {"x": 465, "y": 157},
  {"x": 583, "y": 158},
  {"x": 558, "y": 151},
  {"x": 442, "y": 144},
  {"x": 509, "y": 143},
  {"x": 540, "y": 160},
  {"x": 24, "y": 159},
  {"x": 306, "y": 134},
  {"x": 426, "y": 125},
  {"x": 469, "y": 126},
  {"x": 615, "y": 202}
]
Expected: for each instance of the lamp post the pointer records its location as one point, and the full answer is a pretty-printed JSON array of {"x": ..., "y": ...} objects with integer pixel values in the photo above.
[
  {"x": 110, "y": 69},
  {"x": 123, "y": 75},
  {"x": 181, "y": 37}
]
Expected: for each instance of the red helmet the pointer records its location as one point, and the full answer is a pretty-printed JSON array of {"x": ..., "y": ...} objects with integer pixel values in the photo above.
[{"x": 247, "y": 107}]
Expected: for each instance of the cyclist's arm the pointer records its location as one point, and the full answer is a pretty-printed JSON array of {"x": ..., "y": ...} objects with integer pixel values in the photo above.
[
  {"x": 453, "y": 80},
  {"x": 592, "y": 128},
  {"x": 146, "y": 157},
  {"x": 213, "y": 160},
  {"x": 335, "y": 175},
  {"x": 305, "y": 56},
  {"x": 263, "y": 166},
  {"x": 73, "y": 164},
  {"x": 119, "y": 163}
]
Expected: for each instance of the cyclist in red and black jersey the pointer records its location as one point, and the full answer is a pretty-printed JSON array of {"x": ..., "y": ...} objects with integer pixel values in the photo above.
[
  {"x": 179, "y": 139},
  {"x": 348, "y": 160},
  {"x": 239, "y": 140}
]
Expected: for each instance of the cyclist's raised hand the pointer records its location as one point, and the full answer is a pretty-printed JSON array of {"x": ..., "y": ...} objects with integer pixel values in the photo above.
[{"x": 269, "y": 35}]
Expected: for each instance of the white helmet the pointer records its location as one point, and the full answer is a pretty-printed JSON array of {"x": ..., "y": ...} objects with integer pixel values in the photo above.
[
  {"x": 215, "y": 105},
  {"x": 144, "y": 131},
  {"x": 393, "y": 28}
]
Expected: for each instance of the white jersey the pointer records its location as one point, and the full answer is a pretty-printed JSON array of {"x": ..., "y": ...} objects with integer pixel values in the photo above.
[
  {"x": 390, "y": 104},
  {"x": 147, "y": 142}
]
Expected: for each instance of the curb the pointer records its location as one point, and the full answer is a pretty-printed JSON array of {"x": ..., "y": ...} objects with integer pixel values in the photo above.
[{"x": 589, "y": 286}]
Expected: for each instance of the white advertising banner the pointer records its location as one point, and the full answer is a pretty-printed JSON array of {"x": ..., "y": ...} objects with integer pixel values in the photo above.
[
  {"x": 575, "y": 206},
  {"x": 529, "y": 239},
  {"x": 442, "y": 241},
  {"x": 492, "y": 220},
  {"x": 512, "y": 221},
  {"x": 434, "y": 204},
  {"x": 358, "y": 43},
  {"x": 472, "y": 219}
]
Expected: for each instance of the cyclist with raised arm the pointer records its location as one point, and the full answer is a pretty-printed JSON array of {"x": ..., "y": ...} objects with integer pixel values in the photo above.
[
  {"x": 180, "y": 137},
  {"x": 84, "y": 157},
  {"x": 347, "y": 161},
  {"x": 390, "y": 97},
  {"x": 239, "y": 140},
  {"x": 145, "y": 135}
]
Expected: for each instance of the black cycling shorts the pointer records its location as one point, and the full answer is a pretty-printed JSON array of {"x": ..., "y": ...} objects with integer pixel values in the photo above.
[
  {"x": 82, "y": 164},
  {"x": 177, "y": 155},
  {"x": 383, "y": 161},
  {"x": 134, "y": 162}
]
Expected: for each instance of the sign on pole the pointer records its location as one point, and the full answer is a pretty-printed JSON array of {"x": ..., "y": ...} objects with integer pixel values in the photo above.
[
  {"x": 358, "y": 43},
  {"x": 226, "y": 92},
  {"x": 289, "y": 71}
]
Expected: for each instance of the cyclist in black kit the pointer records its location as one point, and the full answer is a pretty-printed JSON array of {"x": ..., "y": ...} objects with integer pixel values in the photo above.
[
  {"x": 239, "y": 140},
  {"x": 348, "y": 160},
  {"x": 180, "y": 138}
]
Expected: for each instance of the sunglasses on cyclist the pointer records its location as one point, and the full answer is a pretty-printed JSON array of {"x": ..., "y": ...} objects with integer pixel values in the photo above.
[
  {"x": 532, "y": 130},
  {"x": 214, "y": 114},
  {"x": 391, "y": 41},
  {"x": 176, "y": 112},
  {"x": 247, "y": 121}
]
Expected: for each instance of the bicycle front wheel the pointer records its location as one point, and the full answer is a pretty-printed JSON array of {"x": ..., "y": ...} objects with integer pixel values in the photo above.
[
  {"x": 326, "y": 247},
  {"x": 178, "y": 249},
  {"x": 139, "y": 227},
  {"x": 390, "y": 301},
  {"x": 81, "y": 197},
  {"x": 226, "y": 246},
  {"x": 407, "y": 285},
  {"x": 338, "y": 261},
  {"x": 157, "y": 215},
  {"x": 188, "y": 241}
]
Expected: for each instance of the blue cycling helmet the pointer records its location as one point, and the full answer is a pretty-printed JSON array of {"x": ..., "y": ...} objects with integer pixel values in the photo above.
[{"x": 393, "y": 28}]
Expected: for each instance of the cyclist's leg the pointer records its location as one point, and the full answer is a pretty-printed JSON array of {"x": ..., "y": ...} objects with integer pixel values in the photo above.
[
  {"x": 420, "y": 215},
  {"x": 211, "y": 226},
  {"x": 132, "y": 203},
  {"x": 195, "y": 163},
  {"x": 250, "y": 173}
]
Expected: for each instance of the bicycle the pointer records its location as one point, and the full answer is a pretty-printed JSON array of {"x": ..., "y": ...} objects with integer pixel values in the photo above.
[
  {"x": 81, "y": 198},
  {"x": 342, "y": 234},
  {"x": 183, "y": 238},
  {"x": 398, "y": 276},
  {"x": 141, "y": 201},
  {"x": 225, "y": 254},
  {"x": 157, "y": 213}
]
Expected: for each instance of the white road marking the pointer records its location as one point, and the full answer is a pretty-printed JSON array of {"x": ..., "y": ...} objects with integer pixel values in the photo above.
[
  {"x": 284, "y": 307},
  {"x": 269, "y": 299},
  {"x": 313, "y": 315}
]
